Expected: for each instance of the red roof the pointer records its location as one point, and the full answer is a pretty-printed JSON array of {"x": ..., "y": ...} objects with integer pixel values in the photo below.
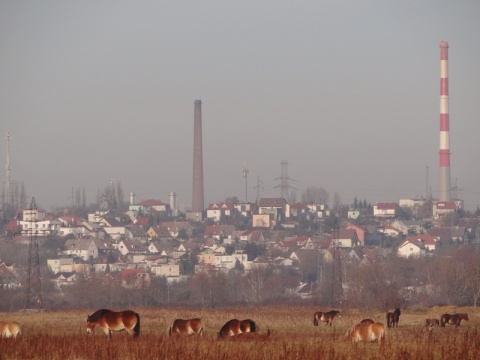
[
  {"x": 386, "y": 206},
  {"x": 425, "y": 239},
  {"x": 212, "y": 230},
  {"x": 129, "y": 273},
  {"x": 447, "y": 205},
  {"x": 12, "y": 226},
  {"x": 142, "y": 221},
  {"x": 151, "y": 202},
  {"x": 223, "y": 205}
]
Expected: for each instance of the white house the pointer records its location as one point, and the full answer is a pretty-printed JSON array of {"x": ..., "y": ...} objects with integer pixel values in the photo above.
[
  {"x": 411, "y": 248},
  {"x": 54, "y": 265},
  {"x": 83, "y": 248},
  {"x": 229, "y": 261},
  {"x": 218, "y": 210},
  {"x": 385, "y": 210},
  {"x": 167, "y": 270}
]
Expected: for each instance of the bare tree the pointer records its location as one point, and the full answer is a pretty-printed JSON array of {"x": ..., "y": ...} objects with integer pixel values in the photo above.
[
  {"x": 253, "y": 285},
  {"x": 315, "y": 195},
  {"x": 120, "y": 195}
]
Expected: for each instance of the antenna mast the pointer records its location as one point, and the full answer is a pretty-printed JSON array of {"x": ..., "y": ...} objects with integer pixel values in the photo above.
[{"x": 245, "y": 171}]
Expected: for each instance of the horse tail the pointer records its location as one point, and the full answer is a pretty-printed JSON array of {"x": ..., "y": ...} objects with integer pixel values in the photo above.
[
  {"x": 253, "y": 326},
  {"x": 136, "y": 329},
  {"x": 315, "y": 320}
]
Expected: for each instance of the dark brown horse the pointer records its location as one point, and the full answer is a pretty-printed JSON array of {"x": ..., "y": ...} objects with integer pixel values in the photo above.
[
  {"x": 235, "y": 327},
  {"x": 393, "y": 318},
  {"x": 431, "y": 323},
  {"x": 187, "y": 327},
  {"x": 326, "y": 317},
  {"x": 454, "y": 319},
  {"x": 110, "y": 321},
  {"x": 366, "y": 322}
]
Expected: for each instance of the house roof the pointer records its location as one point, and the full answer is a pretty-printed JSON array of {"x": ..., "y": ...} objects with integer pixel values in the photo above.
[
  {"x": 446, "y": 205},
  {"x": 424, "y": 239},
  {"x": 142, "y": 220},
  {"x": 151, "y": 202},
  {"x": 346, "y": 233},
  {"x": 127, "y": 274},
  {"x": 71, "y": 219},
  {"x": 112, "y": 222},
  {"x": 386, "y": 206},
  {"x": 222, "y": 205},
  {"x": 212, "y": 230},
  {"x": 78, "y": 244}
]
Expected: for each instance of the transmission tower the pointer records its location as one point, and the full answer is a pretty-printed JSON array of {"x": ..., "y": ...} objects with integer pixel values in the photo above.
[
  {"x": 284, "y": 185},
  {"x": 258, "y": 187},
  {"x": 335, "y": 240},
  {"x": 34, "y": 279}
]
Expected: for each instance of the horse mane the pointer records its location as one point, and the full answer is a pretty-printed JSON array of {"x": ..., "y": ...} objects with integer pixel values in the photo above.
[{"x": 97, "y": 314}]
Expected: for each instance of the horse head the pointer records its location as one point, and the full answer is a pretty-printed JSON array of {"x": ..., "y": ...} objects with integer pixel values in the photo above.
[{"x": 90, "y": 325}]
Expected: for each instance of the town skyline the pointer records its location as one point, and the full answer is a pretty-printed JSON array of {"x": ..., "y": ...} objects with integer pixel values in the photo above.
[{"x": 347, "y": 94}]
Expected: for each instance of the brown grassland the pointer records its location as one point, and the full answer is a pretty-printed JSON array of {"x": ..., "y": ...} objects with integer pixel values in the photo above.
[{"x": 62, "y": 335}]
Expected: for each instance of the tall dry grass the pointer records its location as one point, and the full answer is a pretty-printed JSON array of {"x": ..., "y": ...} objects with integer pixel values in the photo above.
[{"x": 62, "y": 335}]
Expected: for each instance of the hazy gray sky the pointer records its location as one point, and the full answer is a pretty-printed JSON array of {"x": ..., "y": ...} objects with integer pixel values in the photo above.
[{"x": 347, "y": 92}]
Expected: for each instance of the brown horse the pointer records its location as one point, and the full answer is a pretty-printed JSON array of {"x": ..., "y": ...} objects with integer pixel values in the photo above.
[
  {"x": 110, "y": 321},
  {"x": 186, "y": 327},
  {"x": 366, "y": 322},
  {"x": 431, "y": 323},
  {"x": 9, "y": 329},
  {"x": 366, "y": 332},
  {"x": 325, "y": 317},
  {"x": 454, "y": 319},
  {"x": 235, "y": 327},
  {"x": 393, "y": 318}
]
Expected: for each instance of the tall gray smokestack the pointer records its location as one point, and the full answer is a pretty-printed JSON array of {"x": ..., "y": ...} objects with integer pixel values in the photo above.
[{"x": 197, "y": 195}]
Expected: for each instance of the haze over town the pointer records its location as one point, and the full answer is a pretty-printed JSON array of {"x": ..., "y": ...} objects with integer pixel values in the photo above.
[{"x": 346, "y": 92}]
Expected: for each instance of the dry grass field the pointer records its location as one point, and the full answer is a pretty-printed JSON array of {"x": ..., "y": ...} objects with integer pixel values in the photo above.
[{"x": 62, "y": 335}]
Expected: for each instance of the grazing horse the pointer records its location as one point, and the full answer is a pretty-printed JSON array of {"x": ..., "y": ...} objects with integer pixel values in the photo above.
[
  {"x": 325, "y": 317},
  {"x": 366, "y": 332},
  {"x": 110, "y": 321},
  {"x": 454, "y": 319},
  {"x": 186, "y": 327},
  {"x": 393, "y": 318},
  {"x": 9, "y": 329},
  {"x": 235, "y": 327},
  {"x": 431, "y": 323},
  {"x": 366, "y": 322}
]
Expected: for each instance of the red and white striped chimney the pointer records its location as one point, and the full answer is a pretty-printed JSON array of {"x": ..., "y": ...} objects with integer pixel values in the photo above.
[{"x": 444, "y": 125}]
